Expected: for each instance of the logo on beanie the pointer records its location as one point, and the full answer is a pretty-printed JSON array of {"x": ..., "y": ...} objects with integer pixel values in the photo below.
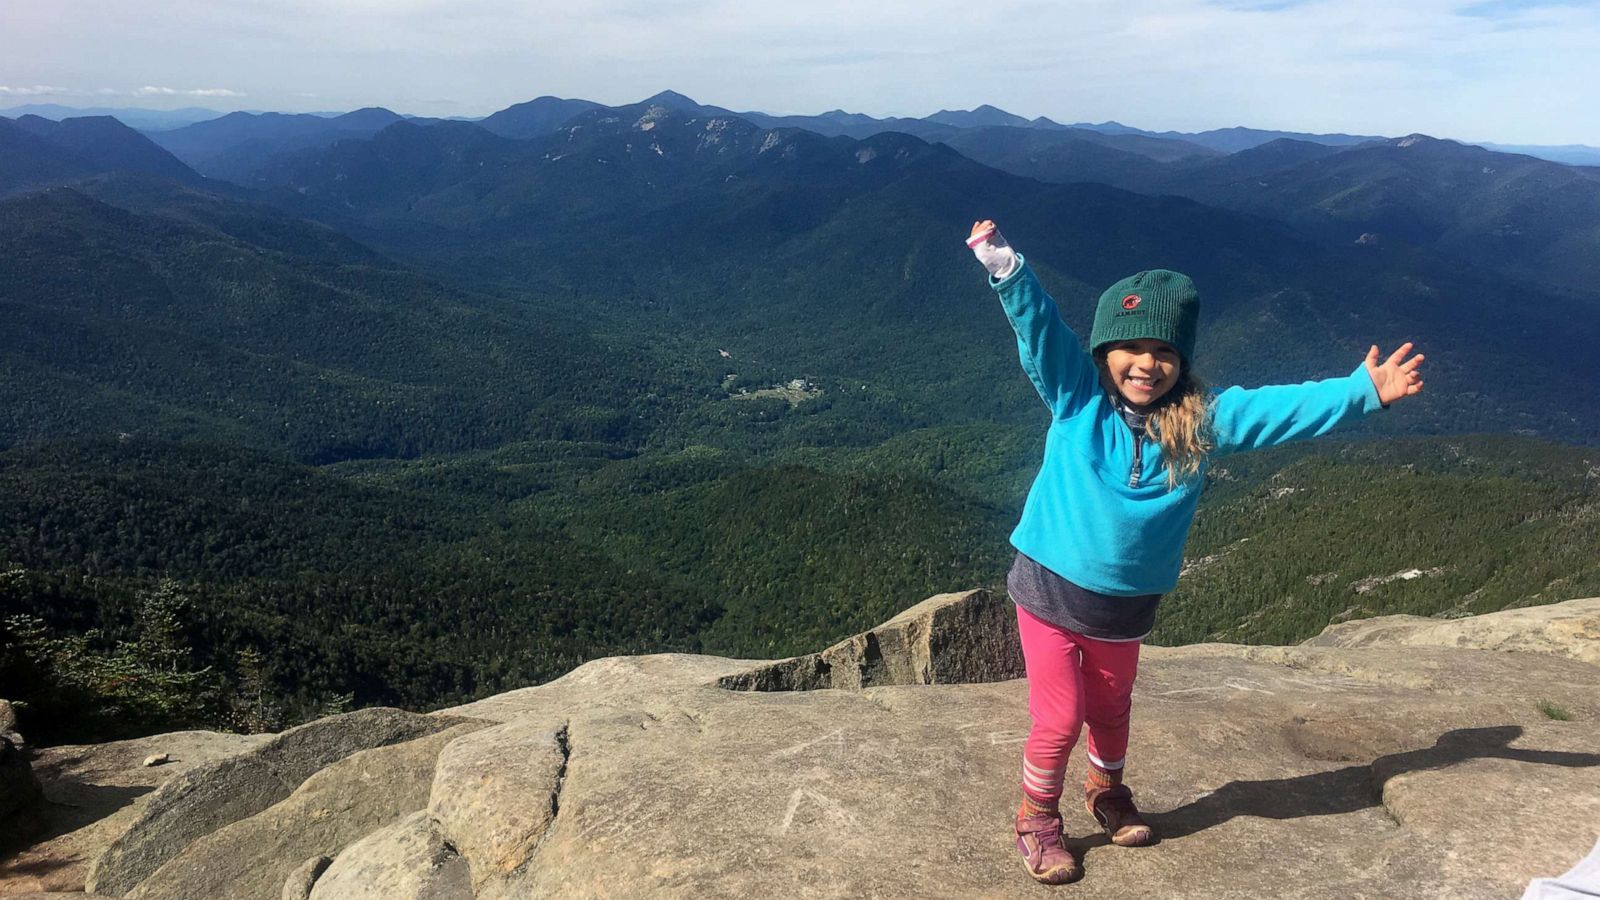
[{"x": 1130, "y": 301}]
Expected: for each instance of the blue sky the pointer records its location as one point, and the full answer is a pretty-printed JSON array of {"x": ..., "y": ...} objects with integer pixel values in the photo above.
[{"x": 1512, "y": 71}]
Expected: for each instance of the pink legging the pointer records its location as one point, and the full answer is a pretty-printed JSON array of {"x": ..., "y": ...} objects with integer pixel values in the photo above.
[{"x": 1073, "y": 679}]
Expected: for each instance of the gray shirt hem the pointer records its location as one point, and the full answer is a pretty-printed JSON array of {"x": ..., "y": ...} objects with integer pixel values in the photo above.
[{"x": 1090, "y": 613}]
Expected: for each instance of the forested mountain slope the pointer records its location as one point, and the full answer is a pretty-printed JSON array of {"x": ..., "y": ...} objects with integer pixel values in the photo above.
[
  {"x": 37, "y": 152},
  {"x": 425, "y": 582},
  {"x": 161, "y": 326},
  {"x": 843, "y": 254},
  {"x": 673, "y": 380},
  {"x": 234, "y": 146},
  {"x": 1536, "y": 220},
  {"x": 1529, "y": 220}
]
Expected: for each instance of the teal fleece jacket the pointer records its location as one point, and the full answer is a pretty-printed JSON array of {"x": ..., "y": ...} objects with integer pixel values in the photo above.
[{"x": 1086, "y": 517}]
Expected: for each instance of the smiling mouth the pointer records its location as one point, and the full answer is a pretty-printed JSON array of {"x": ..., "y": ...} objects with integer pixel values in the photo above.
[{"x": 1142, "y": 384}]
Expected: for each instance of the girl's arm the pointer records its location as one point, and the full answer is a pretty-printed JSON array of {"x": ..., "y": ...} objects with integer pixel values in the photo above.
[
  {"x": 1056, "y": 363},
  {"x": 1250, "y": 419}
]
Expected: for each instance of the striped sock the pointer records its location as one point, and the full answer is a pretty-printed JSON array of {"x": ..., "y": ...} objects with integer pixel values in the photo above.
[
  {"x": 1032, "y": 806},
  {"x": 1041, "y": 789},
  {"x": 1101, "y": 777}
]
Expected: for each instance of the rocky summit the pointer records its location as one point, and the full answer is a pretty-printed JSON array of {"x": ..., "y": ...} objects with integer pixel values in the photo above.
[{"x": 1414, "y": 758}]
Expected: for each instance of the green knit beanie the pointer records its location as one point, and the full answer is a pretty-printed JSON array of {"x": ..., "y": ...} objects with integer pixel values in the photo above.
[{"x": 1152, "y": 304}]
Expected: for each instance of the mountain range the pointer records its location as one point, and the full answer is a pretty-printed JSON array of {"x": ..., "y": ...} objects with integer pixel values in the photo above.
[
  {"x": 1471, "y": 204},
  {"x": 655, "y": 194},
  {"x": 661, "y": 376},
  {"x": 533, "y": 114}
]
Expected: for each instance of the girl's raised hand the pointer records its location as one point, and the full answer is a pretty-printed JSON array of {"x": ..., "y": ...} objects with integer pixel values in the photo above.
[
  {"x": 1397, "y": 377},
  {"x": 991, "y": 249}
]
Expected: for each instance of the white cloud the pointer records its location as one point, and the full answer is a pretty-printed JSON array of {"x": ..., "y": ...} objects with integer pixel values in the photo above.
[
  {"x": 48, "y": 90},
  {"x": 153, "y": 91},
  {"x": 35, "y": 90},
  {"x": 1519, "y": 71}
]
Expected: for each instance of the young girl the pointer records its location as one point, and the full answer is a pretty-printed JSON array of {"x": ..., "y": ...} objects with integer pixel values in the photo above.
[{"x": 1102, "y": 532}]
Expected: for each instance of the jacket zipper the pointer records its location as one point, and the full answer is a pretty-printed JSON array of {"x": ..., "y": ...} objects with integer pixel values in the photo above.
[{"x": 1138, "y": 445}]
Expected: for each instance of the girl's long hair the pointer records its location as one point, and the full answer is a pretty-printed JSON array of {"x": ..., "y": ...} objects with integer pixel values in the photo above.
[{"x": 1180, "y": 423}]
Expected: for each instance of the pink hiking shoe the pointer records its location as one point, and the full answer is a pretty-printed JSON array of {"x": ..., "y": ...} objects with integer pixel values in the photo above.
[
  {"x": 1113, "y": 808},
  {"x": 1039, "y": 842}
]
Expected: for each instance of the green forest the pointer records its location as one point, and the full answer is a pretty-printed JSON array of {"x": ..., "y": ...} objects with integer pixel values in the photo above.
[
  {"x": 152, "y": 585},
  {"x": 369, "y": 435}
]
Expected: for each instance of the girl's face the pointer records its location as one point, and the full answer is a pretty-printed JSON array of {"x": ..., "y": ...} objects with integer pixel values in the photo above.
[{"x": 1142, "y": 371}]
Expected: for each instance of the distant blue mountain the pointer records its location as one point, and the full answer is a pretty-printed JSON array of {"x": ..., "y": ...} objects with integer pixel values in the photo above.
[
  {"x": 985, "y": 125},
  {"x": 534, "y": 118},
  {"x": 985, "y": 116},
  {"x": 1571, "y": 154},
  {"x": 29, "y": 161},
  {"x": 40, "y": 152},
  {"x": 1232, "y": 140},
  {"x": 544, "y": 114},
  {"x": 234, "y": 146},
  {"x": 142, "y": 119}
]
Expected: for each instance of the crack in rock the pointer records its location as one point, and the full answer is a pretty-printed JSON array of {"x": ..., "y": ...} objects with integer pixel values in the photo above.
[{"x": 563, "y": 743}]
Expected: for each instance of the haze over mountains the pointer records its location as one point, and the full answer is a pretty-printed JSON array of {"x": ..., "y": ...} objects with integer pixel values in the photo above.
[
  {"x": 556, "y": 110},
  {"x": 602, "y": 379}
]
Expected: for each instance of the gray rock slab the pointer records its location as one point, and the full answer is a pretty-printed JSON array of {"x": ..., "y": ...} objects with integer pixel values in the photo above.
[
  {"x": 1286, "y": 774},
  {"x": 405, "y": 861},
  {"x": 204, "y": 798},
  {"x": 962, "y": 638},
  {"x": 300, "y": 882},
  {"x": 620, "y": 681},
  {"x": 1427, "y": 671},
  {"x": 1570, "y": 629},
  {"x": 94, "y": 792},
  {"x": 1378, "y": 771},
  {"x": 494, "y": 793},
  {"x": 253, "y": 858}
]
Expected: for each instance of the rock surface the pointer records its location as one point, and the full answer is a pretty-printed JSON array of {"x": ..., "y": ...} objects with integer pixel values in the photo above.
[
  {"x": 1301, "y": 772},
  {"x": 494, "y": 793},
  {"x": 299, "y": 883},
  {"x": 252, "y": 859},
  {"x": 1570, "y": 629},
  {"x": 93, "y": 793},
  {"x": 202, "y": 799},
  {"x": 908, "y": 791},
  {"x": 964, "y": 638},
  {"x": 405, "y": 861}
]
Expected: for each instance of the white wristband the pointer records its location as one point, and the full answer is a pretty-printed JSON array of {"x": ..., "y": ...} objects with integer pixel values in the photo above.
[{"x": 992, "y": 250}]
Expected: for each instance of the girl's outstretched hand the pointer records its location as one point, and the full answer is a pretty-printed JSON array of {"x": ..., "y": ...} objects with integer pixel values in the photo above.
[
  {"x": 1397, "y": 377},
  {"x": 992, "y": 249}
]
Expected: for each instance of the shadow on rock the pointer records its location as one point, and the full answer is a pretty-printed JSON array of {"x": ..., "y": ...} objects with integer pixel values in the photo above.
[
  {"x": 73, "y": 805},
  {"x": 1352, "y": 788}
]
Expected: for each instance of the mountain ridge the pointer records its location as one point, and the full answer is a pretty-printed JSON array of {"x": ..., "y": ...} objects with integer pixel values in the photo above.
[{"x": 1225, "y": 140}]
